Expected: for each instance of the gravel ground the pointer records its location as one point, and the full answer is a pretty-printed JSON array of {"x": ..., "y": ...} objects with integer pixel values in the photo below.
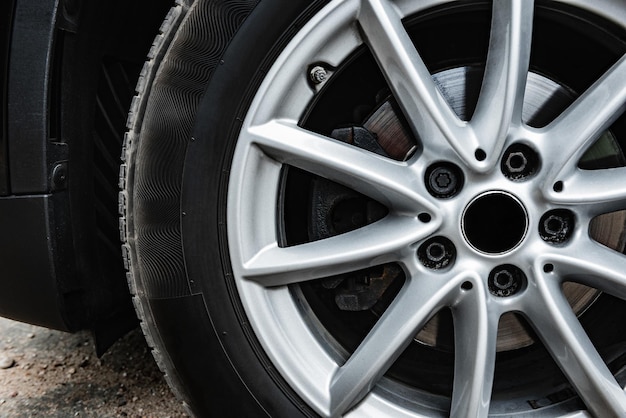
[{"x": 45, "y": 373}]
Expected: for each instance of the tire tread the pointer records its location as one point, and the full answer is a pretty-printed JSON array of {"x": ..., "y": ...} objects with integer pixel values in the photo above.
[{"x": 163, "y": 39}]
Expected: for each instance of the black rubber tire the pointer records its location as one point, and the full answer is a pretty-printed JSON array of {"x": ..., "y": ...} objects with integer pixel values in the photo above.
[{"x": 195, "y": 88}]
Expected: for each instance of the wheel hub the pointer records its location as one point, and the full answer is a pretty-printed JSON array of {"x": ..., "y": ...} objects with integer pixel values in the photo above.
[{"x": 495, "y": 222}]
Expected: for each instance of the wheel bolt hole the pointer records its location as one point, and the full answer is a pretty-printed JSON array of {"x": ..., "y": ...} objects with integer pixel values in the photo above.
[
  {"x": 480, "y": 154},
  {"x": 503, "y": 279},
  {"x": 558, "y": 186},
  {"x": 553, "y": 225},
  {"x": 517, "y": 162},
  {"x": 437, "y": 253},
  {"x": 520, "y": 162},
  {"x": 548, "y": 268},
  {"x": 506, "y": 280},
  {"x": 557, "y": 226},
  {"x": 444, "y": 180}
]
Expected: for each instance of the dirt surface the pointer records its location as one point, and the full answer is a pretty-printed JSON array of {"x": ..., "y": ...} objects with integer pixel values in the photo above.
[{"x": 45, "y": 373}]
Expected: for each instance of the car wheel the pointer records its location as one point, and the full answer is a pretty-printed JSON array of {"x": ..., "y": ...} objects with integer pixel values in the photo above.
[{"x": 383, "y": 208}]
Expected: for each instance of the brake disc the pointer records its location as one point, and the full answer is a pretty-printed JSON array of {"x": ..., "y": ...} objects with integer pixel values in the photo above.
[{"x": 336, "y": 209}]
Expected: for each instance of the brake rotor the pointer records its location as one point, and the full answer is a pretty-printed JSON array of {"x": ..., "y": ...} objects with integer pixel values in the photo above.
[{"x": 384, "y": 132}]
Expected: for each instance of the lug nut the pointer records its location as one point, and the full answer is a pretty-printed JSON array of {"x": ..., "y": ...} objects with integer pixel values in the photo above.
[
  {"x": 444, "y": 180},
  {"x": 503, "y": 279},
  {"x": 556, "y": 226},
  {"x": 506, "y": 280},
  {"x": 520, "y": 162},
  {"x": 437, "y": 253},
  {"x": 516, "y": 162}
]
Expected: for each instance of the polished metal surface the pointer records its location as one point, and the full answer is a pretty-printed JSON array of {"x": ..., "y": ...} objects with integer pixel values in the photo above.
[{"x": 266, "y": 272}]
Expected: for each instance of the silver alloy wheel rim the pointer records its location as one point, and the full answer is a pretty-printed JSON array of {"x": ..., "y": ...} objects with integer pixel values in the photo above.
[{"x": 270, "y": 137}]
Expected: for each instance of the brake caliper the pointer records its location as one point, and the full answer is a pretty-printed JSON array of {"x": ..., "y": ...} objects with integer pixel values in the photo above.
[{"x": 336, "y": 209}]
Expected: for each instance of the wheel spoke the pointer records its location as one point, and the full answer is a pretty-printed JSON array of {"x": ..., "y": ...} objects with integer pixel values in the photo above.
[
  {"x": 502, "y": 94},
  {"x": 381, "y": 242},
  {"x": 416, "y": 303},
  {"x": 569, "y": 136},
  {"x": 392, "y": 183},
  {"x": 603, "y": 190},
  {"x": 427, "y": 111},
  {"x": 475, "y": 334},
  {"x": 559, "y": 328},
  {"x": 590, "y": 263}
]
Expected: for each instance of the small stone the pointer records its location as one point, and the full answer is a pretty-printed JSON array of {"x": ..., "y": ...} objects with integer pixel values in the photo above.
[
  {"x": 71, "y": 370},
  {"x": 6, "y": 362},
  {"x": 14, "y": 394},
  {"x": 31, "y": 336}
]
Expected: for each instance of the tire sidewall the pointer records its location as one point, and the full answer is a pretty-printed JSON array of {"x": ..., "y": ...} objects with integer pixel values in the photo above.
[{"x": 205, "y": 187}]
